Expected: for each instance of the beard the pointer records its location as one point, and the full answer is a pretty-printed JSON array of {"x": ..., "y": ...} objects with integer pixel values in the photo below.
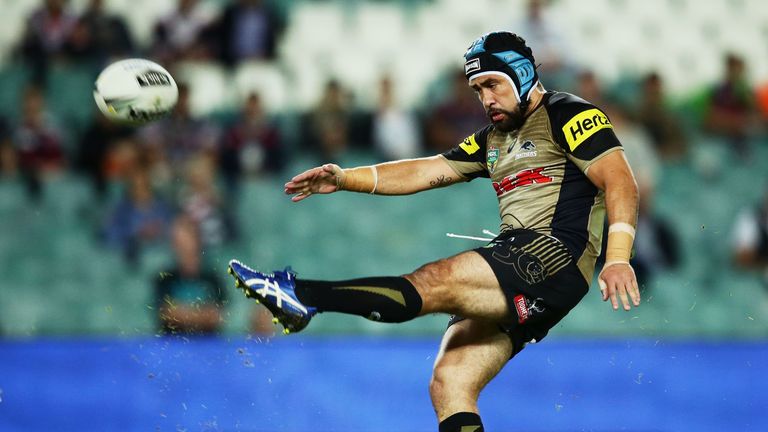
[{"x": 512, "y": 121}]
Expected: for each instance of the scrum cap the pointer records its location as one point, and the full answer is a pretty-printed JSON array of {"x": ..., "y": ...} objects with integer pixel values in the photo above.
[{"x": 505, "y": 53}]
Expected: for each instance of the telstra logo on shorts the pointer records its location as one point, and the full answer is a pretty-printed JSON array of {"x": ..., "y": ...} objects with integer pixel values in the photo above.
[{"x": 583, "y": 125}]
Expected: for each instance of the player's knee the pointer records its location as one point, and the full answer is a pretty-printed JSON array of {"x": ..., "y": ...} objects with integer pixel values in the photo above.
[
  {"x": 446, "y": 384},
  {"x": 436, "y": 385},
  {"x": 431, "y": 278}
]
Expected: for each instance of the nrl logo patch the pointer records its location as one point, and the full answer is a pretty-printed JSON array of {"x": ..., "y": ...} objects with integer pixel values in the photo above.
[
  {"x": 492, "y": 156},
  {"x": 471, "y": 66}
]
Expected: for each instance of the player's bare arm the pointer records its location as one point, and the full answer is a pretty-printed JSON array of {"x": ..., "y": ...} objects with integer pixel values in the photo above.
[
  {"x": 401, "y": 177},
  {"x": 612, "y": 174}
]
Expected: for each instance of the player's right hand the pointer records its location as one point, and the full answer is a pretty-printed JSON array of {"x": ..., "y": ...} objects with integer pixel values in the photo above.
[
  {"x": 619, "y": 280},
  {"x": 321, "y": 180}
]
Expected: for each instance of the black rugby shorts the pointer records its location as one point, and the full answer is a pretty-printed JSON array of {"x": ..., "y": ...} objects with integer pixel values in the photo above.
[{"x": 540, "y": 280}]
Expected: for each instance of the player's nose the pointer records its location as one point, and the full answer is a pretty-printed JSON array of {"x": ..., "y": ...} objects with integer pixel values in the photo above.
[{"x": 487, "y": 99}]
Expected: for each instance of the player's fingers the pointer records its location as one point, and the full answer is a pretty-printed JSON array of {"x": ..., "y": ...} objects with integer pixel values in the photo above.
[
  {"x": 612, "y": 294},
  {"x": 301, "y": 196},
  {"x": 603, "y": 288},
  {"x": 299, "y": 177},
  {"x": 635, "y": 292},
  {"x": 622, "y": 289},
  {"x": 297, "y": 184},
  {"x": 293, "y": 191},
  {"x": 306, "y": 175}
]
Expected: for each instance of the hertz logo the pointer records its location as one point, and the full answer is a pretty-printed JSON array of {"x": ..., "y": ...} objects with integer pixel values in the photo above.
[{"x": 584, "y": 125}]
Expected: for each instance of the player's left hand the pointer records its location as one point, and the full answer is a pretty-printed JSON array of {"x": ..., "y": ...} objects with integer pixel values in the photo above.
[
  {"x": 321, "y": 180},
  {"x": 618, "y": 281}
]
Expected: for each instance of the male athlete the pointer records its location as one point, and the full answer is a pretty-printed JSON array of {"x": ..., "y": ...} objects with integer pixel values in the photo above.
[{"x": 556, "y": 167}]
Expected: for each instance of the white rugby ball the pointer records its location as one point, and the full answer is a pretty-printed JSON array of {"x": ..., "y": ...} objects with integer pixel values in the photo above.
[{"x": 135, "y": 91}]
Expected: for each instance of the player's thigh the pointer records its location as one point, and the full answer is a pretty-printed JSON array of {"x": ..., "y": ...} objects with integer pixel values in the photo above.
[
  {"x": 472, "y": 352},
  {"x": 462, "y": 284}
]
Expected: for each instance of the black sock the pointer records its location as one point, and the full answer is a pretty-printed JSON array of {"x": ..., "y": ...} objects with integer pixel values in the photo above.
[
  {"x": 387, "y": 299},
  {"x": 462, "y": 422}
]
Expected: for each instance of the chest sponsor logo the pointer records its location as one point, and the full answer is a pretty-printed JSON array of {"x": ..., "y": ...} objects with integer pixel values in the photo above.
[
  {"x": 492, "y": 157},
  {"x": 523, "y": 178},
  {"x": 527, "y": 149},
  {"x": 584, "y": 125},
  {"x": 470, "y": 145}
]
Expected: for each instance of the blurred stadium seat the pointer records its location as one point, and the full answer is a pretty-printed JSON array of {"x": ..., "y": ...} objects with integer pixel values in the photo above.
[
  {"x": 209, "y": 87},
  {"x": 267, "y": 80}
]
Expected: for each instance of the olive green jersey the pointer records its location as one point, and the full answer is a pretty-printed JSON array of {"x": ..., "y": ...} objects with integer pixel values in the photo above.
[{"x": 539, "y": 172}]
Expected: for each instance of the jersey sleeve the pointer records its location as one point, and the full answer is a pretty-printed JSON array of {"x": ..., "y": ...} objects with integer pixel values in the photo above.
[
  {"x": 582, "y": 130},
  {"x": 468, "y": 159}
]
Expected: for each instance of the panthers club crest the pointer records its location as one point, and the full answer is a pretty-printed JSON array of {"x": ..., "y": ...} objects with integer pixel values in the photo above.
[{"x": 492, "y": 156}]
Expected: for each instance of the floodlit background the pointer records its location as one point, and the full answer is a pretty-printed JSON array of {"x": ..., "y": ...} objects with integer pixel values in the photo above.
[{"x": 116, "y": 312}]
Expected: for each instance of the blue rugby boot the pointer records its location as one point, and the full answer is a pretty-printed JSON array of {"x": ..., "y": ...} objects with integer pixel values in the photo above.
[{"x": 276, "y": 292}]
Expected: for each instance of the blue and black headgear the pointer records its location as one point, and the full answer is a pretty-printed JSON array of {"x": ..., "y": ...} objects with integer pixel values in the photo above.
[{"x": 506, "y": 53}]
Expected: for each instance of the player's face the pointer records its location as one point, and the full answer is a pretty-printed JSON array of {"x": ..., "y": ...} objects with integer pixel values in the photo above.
[{"x": 499, "y": 101}]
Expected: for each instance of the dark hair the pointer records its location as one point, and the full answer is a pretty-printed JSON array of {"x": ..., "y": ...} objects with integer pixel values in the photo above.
[{"x": 505, "y": 41}]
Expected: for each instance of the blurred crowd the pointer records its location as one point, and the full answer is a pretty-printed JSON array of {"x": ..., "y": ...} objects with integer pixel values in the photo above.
[{"x": 172, "y": 177}]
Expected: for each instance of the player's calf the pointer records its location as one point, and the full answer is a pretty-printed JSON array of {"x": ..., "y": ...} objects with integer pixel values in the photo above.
[{"x": 390, "y": 299}]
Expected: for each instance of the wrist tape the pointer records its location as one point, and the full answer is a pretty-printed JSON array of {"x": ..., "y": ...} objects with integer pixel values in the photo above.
[{"x": 361, "y": 179}]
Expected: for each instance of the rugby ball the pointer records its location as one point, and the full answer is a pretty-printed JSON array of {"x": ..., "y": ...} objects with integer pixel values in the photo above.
[{"x": 135, "y": 91}]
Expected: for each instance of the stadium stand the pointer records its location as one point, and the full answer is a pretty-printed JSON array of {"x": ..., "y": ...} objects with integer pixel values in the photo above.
[{"x": 49, "y": 256}]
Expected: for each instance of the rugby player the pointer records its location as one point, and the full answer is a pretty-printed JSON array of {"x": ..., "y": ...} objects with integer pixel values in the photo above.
[{"x": 556, "y": 167}]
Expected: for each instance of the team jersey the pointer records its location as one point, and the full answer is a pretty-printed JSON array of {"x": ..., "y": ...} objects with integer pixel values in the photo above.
[{"x": 539, "y": 172}]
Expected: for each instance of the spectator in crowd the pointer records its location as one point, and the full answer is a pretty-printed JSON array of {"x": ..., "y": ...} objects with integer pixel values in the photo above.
[
  {"x": 8, "y": 162},
  {"x": 174, "y": 140},
  {"x": 395, "y": 130},
  {"x": 140, "y": 219},
  {"x": 761, "y": 98},
  {"x": 201, "y": 202},
  {"x": 330, "y": 122},
  {"x": 750, "y": 237},
  {"x": 248, "y": 30},
  {"x": 638, "y": 146},
  {"x": 543, "y": 35},
  {"x": 661, "y": 123},
  {"x": 252, "y": 145},
  {"x": 260, "y": 322},
  {"x": 657, "y": 245},
  {"x": 189, "y": 296},
  {"x": 123, "y": 158},
  {"x": 730, "y": 106},
  {"x": 47, "y": 31},
  {"x": 97, "y": 145},
  {"x": 99, "y": 36},
  {"x": 37, "y": 142},
  {"x": 178, "y": 36},
  {"x": 589, "y": 88},
  {"x": 448, "y": 123}
]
